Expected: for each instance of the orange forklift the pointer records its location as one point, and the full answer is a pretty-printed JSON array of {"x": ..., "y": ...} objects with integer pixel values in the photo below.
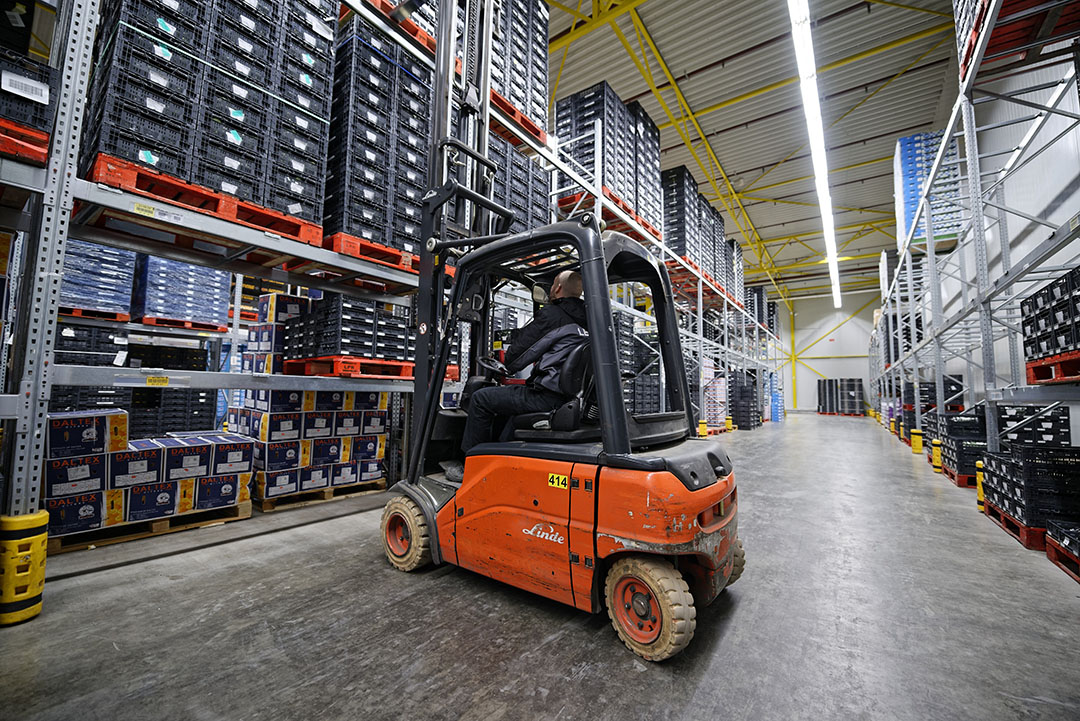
[{"x": 591, "y": 504}]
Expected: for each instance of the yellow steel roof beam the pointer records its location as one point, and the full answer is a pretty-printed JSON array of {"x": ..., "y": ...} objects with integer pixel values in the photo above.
[
  {"x": 744, "y": 224},
  {"x": 912, "y": 8},
  {"x": 811, "y": 263},
  {"x": 832, "y": 171},
  {"x": 583, "y": 28},
  {"x": 570, "y": 11},
  {"x": 869, "y": 53}
]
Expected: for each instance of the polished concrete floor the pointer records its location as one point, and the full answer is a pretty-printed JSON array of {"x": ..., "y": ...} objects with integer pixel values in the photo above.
[{"x": 873, "y": 590}]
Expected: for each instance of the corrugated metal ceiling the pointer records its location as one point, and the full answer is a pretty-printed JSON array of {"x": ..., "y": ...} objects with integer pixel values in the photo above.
[{"x": 720, "y": 51}]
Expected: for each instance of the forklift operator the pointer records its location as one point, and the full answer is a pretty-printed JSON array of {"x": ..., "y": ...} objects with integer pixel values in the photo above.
[{"x": 544, "y": 343}]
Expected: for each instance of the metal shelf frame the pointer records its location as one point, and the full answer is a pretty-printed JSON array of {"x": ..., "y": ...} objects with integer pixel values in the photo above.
[{"x": 913, "y": 340}]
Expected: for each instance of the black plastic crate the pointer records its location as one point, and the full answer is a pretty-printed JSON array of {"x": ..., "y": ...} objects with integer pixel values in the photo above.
[
  {"x": 255, "y": 67},
  {"x": 32, "y": 103},
  {"x": 224, "y": 180},
  {"x": 238, "y": 104},
  {"x": 141, "y": 123},
  {"x": 297, "y": 197},
  {"x": 150, "y": 60},
  {"x": 304, "y": 93},
  {"x": 183, "y": 24},
  {"x": 249, "y": 36},
  {"x": 225, "y": 142}
]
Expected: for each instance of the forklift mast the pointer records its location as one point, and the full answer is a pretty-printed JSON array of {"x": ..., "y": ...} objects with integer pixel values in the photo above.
[{"x": 458, "y": 211}]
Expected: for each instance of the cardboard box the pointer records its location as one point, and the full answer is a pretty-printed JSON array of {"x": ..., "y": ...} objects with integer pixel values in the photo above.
[
  {"x": 269, "y": 401},
  {"x": 75, "y": 476},
  {"x": 152, "y": 500},
  {"x": 72, "y": 514},
  {"x": 370, "y": 470},
  {"x": 271, "y": 484},
  {"x": 344, "y": 474},
  {"x": 277, "y": 455},
  {"x": 315, "y": 477},
  {"x": 348, "y": 423},
  {"x": 318, "y": 424},
  {"x": 268, "y": 427},
  {"x": 374, "y": 423},
  {"x": 369, "y": 401},
  {"x": 267, "y": 363},
  {"x": 217, "y": 491},
  {"x": 232, "y": 454},
  {"x": 325, "y": 451},
  {"x": 367, "y": 448},
  {"x": 185, "y": 458},
  {"x": 328, "y": 400},
  {"x": 185, "y": 497},
  {"x": 271, "y": 338},
  {"x": 141, "y": 463},
  {"x": 278, "y": 307},
  {"x": 86, "y": 433}
]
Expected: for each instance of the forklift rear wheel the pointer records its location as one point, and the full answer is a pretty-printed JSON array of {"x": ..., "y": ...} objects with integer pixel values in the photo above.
[
  {"x": 405, "y": 534},
  {"x": 650, "y": 606},
  {"x": 739, "y": 562}
]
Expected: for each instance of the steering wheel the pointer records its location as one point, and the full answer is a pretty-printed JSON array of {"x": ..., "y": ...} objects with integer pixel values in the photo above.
[{"x": 491, "y": 364}]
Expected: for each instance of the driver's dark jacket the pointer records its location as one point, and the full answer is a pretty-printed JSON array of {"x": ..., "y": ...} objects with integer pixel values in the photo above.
[{"x": 558, "y": 328}]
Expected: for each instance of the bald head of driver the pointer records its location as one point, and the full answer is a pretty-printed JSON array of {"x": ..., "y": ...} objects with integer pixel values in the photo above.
[{"x": 567, "y": 285}]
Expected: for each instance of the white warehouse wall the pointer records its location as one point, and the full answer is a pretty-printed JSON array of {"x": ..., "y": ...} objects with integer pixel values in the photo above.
[{"x": 815, "y": 318}]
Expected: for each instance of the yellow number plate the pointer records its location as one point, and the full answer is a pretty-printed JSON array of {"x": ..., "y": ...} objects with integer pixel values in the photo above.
[
  {"x": 557, "y": 481},
  {"x": 157, "y": 381}
]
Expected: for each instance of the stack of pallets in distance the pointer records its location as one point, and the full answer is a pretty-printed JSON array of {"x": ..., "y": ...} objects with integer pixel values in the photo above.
[{"x": 744, "y": 400}]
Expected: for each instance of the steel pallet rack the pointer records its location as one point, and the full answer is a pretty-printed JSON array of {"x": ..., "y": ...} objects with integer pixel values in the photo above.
[
  {"x": 62, "y": 206},
  {"x": 919, "y": 331}
]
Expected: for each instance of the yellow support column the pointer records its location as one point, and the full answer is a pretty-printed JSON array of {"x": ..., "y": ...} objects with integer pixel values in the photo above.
[
  {"x": 702, "y": 429},
  {"x": 892, "y": 426},
  {"x": 935, "y": 455},
  {"x": 979, "y": 503},
  {"x": 728, "y": 426},
  {"x": 916, "y": 441},
  {"x": 23, "y": 540}
]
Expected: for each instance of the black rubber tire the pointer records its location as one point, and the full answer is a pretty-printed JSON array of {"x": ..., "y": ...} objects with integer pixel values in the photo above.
[
  {"x": 678, "y": 616},
  {"x": 418, "y": 553},
  {"x": 740, "y": 562}
]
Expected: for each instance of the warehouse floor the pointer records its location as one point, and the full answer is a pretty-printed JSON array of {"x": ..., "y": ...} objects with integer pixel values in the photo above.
[{"x": 873, "y": 590}]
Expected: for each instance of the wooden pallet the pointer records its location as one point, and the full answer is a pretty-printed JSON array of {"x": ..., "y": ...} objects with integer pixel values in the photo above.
[
  {"x": 411, "y": 28},
  {"x": 960, "y": 480},
  {"x": 1061, "y": 368},
  {"x": 1063, "y": 559},
  {"x": 320, "y": 495},
  {"x": 23, "y": 143},
  {"x": 96, "y": 314},
  {"x": 568, "y": 203},
  {"x": 1030, "y": 538},
  {"x": 138, "y": 179},
  {"x": 189, "y": 324},
  {"x": 145, "y": 529},
  {"x": 355, "y": 367},
  {"x": 355, "y": 247}
]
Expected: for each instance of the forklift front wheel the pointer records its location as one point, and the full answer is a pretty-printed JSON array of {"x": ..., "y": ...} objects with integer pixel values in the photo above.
[
  {"x": 738, "y": 563},
  {"x": 650, "y": 606},
  {"x": 405, "y": 534}
]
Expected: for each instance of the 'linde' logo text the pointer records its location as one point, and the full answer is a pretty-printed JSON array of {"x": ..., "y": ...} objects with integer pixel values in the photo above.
[{"x": 545, "y": 531}]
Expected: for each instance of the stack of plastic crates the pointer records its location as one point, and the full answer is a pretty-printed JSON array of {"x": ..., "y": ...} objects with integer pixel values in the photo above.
[{"x": 912, "y": 162}]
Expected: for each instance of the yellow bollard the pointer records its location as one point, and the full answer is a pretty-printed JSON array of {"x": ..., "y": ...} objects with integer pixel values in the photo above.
[
  {"x": 978, "y": 486},
  {"x": 916, "y": 440},
  {"x": 728, "y": 425},
  {"x": 900, "y": 435},
  {"x": 702, "y": 429},
  {"x": 936, "y": 455},
  {"x": 892, "y": 426},
  {"x": 23, "y": 540}
]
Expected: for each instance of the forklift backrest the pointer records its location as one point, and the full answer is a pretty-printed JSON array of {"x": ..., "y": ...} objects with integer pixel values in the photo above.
[{"x": 576, "y": 370}]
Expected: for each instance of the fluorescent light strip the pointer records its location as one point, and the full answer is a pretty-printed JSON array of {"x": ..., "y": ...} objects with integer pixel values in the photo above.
[{"x": 799, "y": 10}]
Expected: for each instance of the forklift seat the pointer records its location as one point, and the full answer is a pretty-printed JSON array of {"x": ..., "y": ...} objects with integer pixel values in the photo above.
[{"x": 568, "y": 422}]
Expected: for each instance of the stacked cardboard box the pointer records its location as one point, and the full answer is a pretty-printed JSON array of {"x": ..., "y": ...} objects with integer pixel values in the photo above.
[
  {"x": 310, "y": 440},
  {"x": 95, "y": 477}
]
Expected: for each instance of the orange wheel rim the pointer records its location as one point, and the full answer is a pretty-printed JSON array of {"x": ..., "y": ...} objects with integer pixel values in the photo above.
[
  {"x": 636, "y": 609},
  {"x": 398, "y": 538}
]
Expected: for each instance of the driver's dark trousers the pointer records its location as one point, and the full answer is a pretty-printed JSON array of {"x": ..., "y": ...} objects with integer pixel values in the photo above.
[{"x": 489, "y": 404}]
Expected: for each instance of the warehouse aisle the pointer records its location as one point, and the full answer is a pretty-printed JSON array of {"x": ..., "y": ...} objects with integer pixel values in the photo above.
[{"x": 873, "y": 590}]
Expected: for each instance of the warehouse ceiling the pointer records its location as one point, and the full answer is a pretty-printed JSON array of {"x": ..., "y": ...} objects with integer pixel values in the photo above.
[{"x": 719, "y": 78}]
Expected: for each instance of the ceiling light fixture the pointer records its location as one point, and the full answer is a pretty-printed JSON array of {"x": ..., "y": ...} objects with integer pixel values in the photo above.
[{"x": 799, "y": 10}]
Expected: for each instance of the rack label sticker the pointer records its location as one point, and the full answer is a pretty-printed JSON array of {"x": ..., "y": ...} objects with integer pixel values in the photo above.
[
  {"x": 25, "y": 87},
  {"x": 157, "y": 381},
  {"x": 149, "y": 211},
  {"x": 557, "y": 481}
]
